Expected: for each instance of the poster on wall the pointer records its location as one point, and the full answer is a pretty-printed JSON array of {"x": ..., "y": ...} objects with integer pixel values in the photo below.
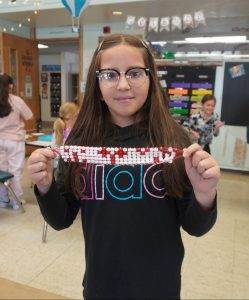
[
  {"x": 28, "y": 90},
  {"x": 44, "y": 77},
  {"x": 44, "y": 90}
]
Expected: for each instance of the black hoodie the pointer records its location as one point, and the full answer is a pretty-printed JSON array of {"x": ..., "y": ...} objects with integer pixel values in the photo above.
[{"x": 133, "y": 245}]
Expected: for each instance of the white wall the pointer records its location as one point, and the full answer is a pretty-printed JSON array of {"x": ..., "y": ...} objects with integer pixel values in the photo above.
[
  {"x": 69, "y": 66},
  {"x": 230, "y": 148}
]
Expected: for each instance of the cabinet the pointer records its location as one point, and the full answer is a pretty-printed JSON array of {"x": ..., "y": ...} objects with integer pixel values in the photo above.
[
  {"x": 55, "y": 93},
  {"x": 75, "y": 87},
  {"x": 185, "y": 86}
]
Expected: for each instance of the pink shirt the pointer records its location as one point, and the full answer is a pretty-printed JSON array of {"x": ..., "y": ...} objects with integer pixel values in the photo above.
[{"x": 12, "y": 126}]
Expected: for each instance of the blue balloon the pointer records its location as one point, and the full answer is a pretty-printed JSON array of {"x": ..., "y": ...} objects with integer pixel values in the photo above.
[{"x": 75, "y": 7}]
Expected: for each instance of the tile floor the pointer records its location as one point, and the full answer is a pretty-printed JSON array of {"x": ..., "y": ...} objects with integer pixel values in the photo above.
[{"x": 216, "y": 266}]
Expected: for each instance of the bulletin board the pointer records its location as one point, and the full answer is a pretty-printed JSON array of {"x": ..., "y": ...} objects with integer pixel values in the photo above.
[
  {"x": 235, "y": 98},
  {"x": 185, "y": 87}
]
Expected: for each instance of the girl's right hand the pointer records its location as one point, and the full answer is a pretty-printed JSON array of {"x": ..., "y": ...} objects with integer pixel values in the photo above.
[
  {"x": 195, "y": 134},
  {"x": 40, "y": 168}
]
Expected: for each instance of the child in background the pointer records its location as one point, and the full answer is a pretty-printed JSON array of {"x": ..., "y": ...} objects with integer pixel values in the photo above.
[
  {"x": 205, "y": 124},
  {"x": 13, "y": 112},
  {"x": 68, "y": 113},
  {"x": 131, "y": 214}
]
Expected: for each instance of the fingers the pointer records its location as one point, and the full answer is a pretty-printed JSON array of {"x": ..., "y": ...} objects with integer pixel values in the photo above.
[
  {"x": 40, "y": 167},
  {"x": 203, "y": 162},
  {"x": 41, "y": 155},
  {"x": 187, "y": 152}
]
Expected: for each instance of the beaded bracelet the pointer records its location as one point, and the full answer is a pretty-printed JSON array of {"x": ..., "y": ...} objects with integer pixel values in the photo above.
[{"x": 118, "y": 155}]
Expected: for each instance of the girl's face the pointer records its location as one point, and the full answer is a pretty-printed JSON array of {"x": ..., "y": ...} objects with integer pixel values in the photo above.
[
  {"x": 208, "y": 107},
  {"x": 124, "y": 100}
]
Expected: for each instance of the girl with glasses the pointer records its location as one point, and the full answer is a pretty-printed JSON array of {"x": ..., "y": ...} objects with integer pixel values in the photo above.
[{"x": 132, "y": 205}]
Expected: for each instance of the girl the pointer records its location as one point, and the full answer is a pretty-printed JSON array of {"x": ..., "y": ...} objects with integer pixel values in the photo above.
[
  {"x": 131, "y": 214},
  {"x": 13, "y": 112},
  {"x": 68, "y": 113},
  {"x": 205, "y": 124}
]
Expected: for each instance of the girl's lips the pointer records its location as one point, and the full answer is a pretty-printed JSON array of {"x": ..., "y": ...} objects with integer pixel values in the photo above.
[{"x": 123, "y": 98}]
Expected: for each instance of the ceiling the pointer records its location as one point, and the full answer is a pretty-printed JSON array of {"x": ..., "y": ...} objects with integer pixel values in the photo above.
[
  {"x": 149, "y": 8},
  {"x": 213, "y": 9}
]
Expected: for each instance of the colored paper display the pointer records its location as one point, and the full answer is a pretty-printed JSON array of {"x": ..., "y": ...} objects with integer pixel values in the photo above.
[
  {"x": 182, "y": 85},
  {"x": 178, "y": 91},
  {"x": 202, "y": 86},
  {"x": 201, "y": 92},
  {"x": 178, "y": 104},
  {"x": 179, "y": 111},
  {"x": 196, "y": 98}
]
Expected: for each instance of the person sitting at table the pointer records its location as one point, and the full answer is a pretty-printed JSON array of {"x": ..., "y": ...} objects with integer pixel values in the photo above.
[
  {"x": 13, "y": 112},
  {"x": 68, "y": 113}
]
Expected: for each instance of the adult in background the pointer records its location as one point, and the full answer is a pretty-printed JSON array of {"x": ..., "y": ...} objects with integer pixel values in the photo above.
[
  {"x": 13, "y": 112},
  {"x": 205, "y": 124}
]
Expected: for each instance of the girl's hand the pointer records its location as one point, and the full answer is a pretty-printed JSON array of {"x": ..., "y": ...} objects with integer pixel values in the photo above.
[
  {"x": 40, "y": 168},
  {"x": 218, "y": 125},
  {"x": 203, "y": 172},
  {"x": 195, "y": 134}
]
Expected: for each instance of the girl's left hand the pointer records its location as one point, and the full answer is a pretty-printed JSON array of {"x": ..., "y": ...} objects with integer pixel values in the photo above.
[{"x": 203, "y": 172}]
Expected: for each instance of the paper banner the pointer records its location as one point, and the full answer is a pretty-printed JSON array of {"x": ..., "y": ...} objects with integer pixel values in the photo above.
[
  {"x": 141, "y": 23},
  {"x": 176, "y": 23},
  {"x": 153, "y": 24},
  {"x": 165, "y": 24}
]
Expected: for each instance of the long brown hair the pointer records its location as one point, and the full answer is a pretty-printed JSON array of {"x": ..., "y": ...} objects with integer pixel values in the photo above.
[
  {"x": 93, "y": 119},
  {"x": 5, "y": 107}
]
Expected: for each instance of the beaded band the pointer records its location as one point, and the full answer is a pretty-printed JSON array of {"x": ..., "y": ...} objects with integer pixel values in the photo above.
[{"x": 117, "y": 155}]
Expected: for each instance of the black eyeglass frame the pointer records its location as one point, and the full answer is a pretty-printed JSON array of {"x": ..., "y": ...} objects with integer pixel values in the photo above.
[{"x": 146, "y": 70}]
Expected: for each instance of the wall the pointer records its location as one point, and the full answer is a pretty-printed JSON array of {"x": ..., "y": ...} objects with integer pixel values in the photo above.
[
  {"x": 230, "y": 147},
  {"x": 69, "y": 65}
]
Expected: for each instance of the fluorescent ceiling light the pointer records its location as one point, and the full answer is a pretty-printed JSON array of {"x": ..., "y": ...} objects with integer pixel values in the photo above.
[
  {"x": 212, "y": 54},
  {"x": 161, "y": 43},
  {"x": 42, "y": 46},
  {"x": 117, "y": 13},
  {"x": 217, "y": 39}
]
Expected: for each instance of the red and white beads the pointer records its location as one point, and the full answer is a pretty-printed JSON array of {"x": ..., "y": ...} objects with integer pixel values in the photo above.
[{"x": 118, "y": 155}]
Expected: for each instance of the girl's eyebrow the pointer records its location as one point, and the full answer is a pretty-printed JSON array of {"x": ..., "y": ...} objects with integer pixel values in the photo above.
[{"x": 116, "y": 69}]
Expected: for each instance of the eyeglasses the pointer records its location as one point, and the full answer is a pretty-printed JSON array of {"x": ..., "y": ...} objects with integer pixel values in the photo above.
[{"x": 135, "y": 76}]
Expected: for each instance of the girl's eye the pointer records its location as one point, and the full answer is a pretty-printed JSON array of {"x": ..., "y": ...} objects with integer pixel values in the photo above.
[{"x": 109, "y": 75}]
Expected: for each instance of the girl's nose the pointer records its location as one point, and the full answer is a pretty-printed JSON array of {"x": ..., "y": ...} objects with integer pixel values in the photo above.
[{"x": 123, "y": 83}]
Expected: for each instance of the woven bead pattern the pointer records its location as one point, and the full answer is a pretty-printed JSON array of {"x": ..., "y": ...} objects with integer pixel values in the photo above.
[{"x": 118, "y": 155}]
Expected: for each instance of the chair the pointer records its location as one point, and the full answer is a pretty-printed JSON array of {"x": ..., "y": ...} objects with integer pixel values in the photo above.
[
  {"x": 44, "y": 232},
  {"x": 5, "y": 179},
  {"x": 45, "y": 224}
]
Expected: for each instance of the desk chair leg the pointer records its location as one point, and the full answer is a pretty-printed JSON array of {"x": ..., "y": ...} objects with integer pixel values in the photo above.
[
  {"x": 8, "y": 186},
  {"x": 44, "y": 232}
]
